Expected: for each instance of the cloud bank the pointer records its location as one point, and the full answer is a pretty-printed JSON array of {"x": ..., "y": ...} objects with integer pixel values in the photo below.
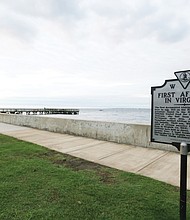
[{"x": 77, "y": 49}]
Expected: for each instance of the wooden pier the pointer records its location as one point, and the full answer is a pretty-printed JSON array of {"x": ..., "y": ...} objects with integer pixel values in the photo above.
[{"x": 39, "y": 111}]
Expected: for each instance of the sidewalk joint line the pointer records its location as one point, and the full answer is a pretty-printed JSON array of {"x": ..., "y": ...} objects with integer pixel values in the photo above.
[
  {"x": 85, "y": 147},
  {"x": 109, "y": 155},
  {"x": 156, "y": 159}
]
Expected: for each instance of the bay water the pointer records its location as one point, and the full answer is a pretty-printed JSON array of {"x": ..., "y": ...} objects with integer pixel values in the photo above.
[{"x": 120, "y": 115}]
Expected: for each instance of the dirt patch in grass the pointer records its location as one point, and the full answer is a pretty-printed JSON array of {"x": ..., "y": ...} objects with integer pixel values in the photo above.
[{"x": 78, "y": 164}]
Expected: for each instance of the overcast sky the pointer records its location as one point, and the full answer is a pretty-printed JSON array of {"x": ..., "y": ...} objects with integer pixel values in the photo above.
[{"x": 90, "y": 53}]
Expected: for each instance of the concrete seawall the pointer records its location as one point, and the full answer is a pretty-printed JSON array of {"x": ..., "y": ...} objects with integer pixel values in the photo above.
[{"x": 132, "y": 134}]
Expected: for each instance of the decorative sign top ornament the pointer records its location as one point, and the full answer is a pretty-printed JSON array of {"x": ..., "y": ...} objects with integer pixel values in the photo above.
[{"x": 183, "y": 77}]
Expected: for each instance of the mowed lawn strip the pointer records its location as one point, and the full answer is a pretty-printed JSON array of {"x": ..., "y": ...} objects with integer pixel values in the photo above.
[{"x": 37, "y": 183}]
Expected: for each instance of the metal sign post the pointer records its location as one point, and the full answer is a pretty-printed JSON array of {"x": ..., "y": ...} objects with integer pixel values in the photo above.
[
  {"x": 183, "y": 180},
  {"x": 170, "y": 114}
]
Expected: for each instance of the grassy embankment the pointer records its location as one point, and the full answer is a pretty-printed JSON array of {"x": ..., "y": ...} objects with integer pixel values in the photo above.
[{"x": 36, "y": 183}]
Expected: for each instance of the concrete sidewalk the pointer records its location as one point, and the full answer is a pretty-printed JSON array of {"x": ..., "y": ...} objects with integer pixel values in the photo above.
[{"x": 157, "y": 164}]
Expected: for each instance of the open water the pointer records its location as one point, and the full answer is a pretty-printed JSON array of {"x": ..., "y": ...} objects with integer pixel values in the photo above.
[{"x": 121, "y": 115}]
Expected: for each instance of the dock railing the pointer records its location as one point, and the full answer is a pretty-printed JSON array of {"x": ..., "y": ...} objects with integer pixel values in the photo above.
[{"x": 39, "y": 111}]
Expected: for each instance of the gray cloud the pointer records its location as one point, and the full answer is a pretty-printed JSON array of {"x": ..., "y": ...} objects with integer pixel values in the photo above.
[
  {"x": 169, "y": 30},
  {"x": 18, "y": 28},
  {"x": 21, "y": 19},
  {"x": 44, "y": 8},
  {"x": 164, "y": 23},
  {"x": 118, "y": 21},
  {"x": 124, "y": 20}
]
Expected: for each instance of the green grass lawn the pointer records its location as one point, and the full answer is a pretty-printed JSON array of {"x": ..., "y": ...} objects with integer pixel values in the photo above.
[{"x": 37, "y": 183}]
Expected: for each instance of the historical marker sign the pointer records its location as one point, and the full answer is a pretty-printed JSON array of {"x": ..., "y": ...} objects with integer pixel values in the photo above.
[{"x": 170, "y": 121}]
